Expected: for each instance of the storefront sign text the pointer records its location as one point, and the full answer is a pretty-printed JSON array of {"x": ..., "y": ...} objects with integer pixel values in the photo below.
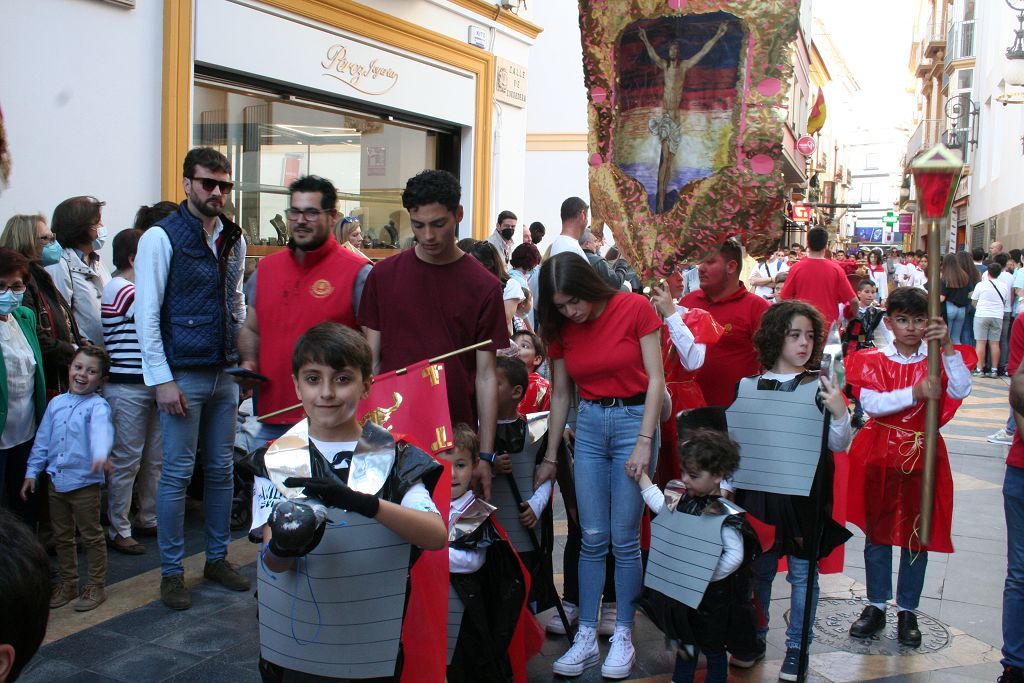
[{"x": 368, "y": 77}]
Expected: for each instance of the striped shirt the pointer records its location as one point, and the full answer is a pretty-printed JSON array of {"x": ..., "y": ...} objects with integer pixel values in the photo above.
[{"x": 117, "y": 313}]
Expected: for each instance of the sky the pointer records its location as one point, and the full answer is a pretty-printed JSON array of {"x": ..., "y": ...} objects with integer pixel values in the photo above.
[{"x": 874, "y": 38}]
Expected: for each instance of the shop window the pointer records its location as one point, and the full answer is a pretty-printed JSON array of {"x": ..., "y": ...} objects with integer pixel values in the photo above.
[{"x": 272, "y": 141}]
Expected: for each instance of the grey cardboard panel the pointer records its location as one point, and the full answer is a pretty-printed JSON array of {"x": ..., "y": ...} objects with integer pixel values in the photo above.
[
  {"x": 455, "y": 611},
  {"x": 507, "y": 514},
  {"x": 684, "y": 552}
]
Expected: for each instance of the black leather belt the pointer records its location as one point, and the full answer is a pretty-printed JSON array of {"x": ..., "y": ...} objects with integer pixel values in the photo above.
[{"x": 637, "y": 400}]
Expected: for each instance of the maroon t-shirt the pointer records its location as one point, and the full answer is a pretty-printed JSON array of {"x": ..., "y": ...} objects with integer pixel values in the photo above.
[
  {"x": 733, "y": 357},
  {"x": 821, "y": 283},
  {"x": 423, "y": 310}
]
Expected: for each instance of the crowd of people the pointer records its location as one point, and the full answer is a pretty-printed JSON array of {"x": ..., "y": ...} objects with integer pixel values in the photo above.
[{"x": 653, "y": 406}]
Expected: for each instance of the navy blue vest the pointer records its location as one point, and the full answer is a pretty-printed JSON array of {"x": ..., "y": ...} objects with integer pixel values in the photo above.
[{"x": 196, "y": 320}]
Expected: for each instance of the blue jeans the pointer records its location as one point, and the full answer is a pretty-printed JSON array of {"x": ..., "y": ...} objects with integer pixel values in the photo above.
[
  {"x": 968, "y": 332},
  {"x": 1013, "y": 592},
  {"x": 212, "y": 399},
  {"x": 605, "y": 437},
  {"x": 764, "y": 570},
  {"x": 717, "y": 671},
  {"x": 956, "y": 316},
  {"x": 878, "y": 567}
]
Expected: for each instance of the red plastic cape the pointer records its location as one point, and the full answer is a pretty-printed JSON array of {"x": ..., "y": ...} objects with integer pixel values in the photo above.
[{"x": 887, "y": 457}]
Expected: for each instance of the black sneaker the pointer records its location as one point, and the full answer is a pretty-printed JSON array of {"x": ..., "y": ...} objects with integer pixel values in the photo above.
[
  {"x": 790, "y": 665},
  {"x": 1011, "y": 674},
  {"x": 871, "y": 621},
  {"x": 906, "y": 629},
  {"x": 743, "y": 660}
]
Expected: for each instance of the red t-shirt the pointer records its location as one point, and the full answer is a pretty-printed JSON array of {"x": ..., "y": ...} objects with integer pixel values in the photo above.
[
  {"x": 1015, "y": 457},
  {"x": 734, "y": 356},
  {"x": 821, "y": 283},
  {"x": 423, "y": 310},
  {"x": 603, "y": 355}
]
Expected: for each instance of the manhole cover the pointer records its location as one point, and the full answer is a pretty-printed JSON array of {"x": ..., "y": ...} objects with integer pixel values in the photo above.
[{"x": 832, "y": 628}]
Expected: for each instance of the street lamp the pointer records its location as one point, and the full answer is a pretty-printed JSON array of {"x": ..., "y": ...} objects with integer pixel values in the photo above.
[
  {"x": 936, "y": 175},
  {"x": 1013, "y": 70}
]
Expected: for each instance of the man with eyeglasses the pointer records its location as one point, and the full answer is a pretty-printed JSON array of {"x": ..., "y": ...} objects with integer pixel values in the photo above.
[
  {"x": 314, "y": 280},
  {"x": 189, "y": 312}
]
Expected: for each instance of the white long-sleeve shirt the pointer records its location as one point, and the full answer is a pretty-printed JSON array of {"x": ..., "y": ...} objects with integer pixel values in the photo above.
[
  {"x": 882, "y": 403},
  {"x": 463, "y": 560},
  {"x": 691, "y": 354},
  {"x": 732, "y": 540},
  {"x": 152, "y": 266}
]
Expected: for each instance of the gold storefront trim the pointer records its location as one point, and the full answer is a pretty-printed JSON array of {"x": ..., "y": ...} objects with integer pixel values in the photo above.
[
  {"x": 556, "y": 142},
  {"x": 348, "y": 16}
]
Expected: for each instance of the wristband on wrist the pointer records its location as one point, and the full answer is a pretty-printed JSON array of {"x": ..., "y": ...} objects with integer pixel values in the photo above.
[
  {"x": 644, "y": 436},
  {"x": 487, "y": 457},
  {"x": 549, "y": 460}
]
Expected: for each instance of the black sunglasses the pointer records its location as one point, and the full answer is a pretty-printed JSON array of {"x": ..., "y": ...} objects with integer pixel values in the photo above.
[{"x": 209, "y": 183}]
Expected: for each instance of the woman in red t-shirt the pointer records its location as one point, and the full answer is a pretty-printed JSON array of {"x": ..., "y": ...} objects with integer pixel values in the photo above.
[{"x": 607, "y": 343}]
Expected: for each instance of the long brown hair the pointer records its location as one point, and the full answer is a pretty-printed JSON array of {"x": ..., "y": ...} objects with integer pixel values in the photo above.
[
  {"x": 566, "y": 273},
  {"x": 967, "y": 265},
  {"x": 952, "y": 274}
]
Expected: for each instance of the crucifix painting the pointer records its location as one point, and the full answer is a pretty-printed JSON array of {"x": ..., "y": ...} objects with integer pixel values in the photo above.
[{"x": 678, "y": 84}]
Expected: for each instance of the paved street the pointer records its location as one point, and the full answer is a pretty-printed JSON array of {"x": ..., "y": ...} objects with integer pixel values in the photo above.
[{"x": 132, "y": 637}]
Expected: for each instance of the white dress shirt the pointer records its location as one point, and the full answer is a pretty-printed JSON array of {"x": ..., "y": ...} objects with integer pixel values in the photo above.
[
  {"x": 463, "y": 560},
  {"x": 882, "y": 403},
  {"x": 152, "y": 266},
  {"x": 691, "y": 354}
]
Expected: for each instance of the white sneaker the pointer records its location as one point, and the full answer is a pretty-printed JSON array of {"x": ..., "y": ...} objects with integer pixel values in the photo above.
[
  {"x": 1002, "y": 436},
  {"x": 621, "y": 657},
  {"x": 582, "y": 655},
  {"x": 572, "y": 613},
  {"x": 606, "y": 624}
]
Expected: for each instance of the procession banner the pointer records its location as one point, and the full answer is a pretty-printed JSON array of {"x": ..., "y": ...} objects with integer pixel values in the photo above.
[{"x": 413, "y": 404}]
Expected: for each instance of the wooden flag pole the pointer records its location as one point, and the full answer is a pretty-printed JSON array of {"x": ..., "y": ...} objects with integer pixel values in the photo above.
[
  {"x": 400, "y": 371},
  {"x": 931, "y": 416}
]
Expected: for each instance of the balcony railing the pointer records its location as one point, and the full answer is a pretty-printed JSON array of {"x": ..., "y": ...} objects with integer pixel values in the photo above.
[
  {"x": 960, "y": 41},
  {"x": 934, "y": 39},
  {"x": 924, "y": 137}
]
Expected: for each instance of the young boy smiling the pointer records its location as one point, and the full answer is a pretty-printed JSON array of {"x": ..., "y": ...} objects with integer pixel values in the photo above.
[
  {"x": 886, "y": 459},
  {"x": 375, "y": 494}
]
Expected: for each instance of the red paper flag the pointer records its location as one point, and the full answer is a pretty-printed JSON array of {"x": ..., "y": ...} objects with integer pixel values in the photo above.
[{"x": 413, "y": 405}]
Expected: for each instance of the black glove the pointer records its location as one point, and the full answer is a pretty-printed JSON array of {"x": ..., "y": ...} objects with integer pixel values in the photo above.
[
  {"x": 294, "y": 529},
  {"x": 336, "y": 494}
]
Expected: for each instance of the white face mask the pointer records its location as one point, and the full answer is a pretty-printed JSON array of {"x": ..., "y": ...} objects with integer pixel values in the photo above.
[{"x": 101, "y": 238}]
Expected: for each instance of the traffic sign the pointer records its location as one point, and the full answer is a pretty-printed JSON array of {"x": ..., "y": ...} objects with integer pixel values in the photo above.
[{"x": 806, "y": 145}]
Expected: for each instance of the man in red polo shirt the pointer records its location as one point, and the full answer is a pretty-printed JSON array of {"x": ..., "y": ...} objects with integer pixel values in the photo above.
[
  {"x": 738, "y": 311},
  {"x": 314, "y": 280},
  {"x": 820, "y": 282}
]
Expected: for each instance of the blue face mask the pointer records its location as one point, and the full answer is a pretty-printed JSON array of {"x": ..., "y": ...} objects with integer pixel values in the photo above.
[
  {"x": 9, "y": 301},
  {"x": 101, "y": 238},
  {"x": 51, "y": 253}
]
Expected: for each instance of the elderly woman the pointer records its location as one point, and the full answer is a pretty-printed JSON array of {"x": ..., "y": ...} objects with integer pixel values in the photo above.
[
  {"x": 22, "y": 393},
  {"x": 80, "y": 276},
  {"x": 55, "y": 325}
]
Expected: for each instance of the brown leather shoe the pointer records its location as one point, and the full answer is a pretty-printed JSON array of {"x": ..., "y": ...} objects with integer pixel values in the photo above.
[
  {"x": 224, "y": 573},
  {"x": 92, "y": 597},
  {"x": 62, "y": 594},
  {"x": 127, "y": 546}
]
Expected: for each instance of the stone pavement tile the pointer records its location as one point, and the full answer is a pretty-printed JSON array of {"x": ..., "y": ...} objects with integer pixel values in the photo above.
[
  {"x": 154, "y": 620},
  {"x": 90, "y": 647},
  {"x": 146, "y": 663},
  {"x": 86, "y": 676},
  {"x": 975, "y": 579},
  {"x": 245, "y": 654},
  {"x": 206, "y": 637},
  {"x": 966, "y": 545},
  {"x": 983, "y": 622},
  {"x": 43, "y": 670},
  {"x": 217, "y": 672},
  {"x": 979, "y": 672}
]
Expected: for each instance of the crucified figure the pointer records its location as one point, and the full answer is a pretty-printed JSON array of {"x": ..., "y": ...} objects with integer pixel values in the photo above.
[{"x": 666, "y": 127}]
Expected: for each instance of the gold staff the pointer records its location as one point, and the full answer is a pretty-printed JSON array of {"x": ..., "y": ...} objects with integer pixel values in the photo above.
[
  {"x": 400, "y": 371},
  {"x": 936, "y": 175}
]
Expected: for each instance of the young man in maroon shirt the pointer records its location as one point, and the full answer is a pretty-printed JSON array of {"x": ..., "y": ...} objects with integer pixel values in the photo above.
[
  {"x": 434, "y": 299},
  {"x": 820, "y": 282},
  {"x": 738, "y": 311}
]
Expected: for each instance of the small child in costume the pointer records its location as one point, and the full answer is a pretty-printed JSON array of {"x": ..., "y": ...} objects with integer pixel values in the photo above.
[
  {"x": 323, "y": 493},
  {"x": 72, "y": 444},
  {"x": 780, "y": 282},
  {"x": 486, "y": 578},
  {"x": 886, "y": 460},
  {"x": 533, "y": 351},
  {"x": 514, "y": 443},
  {"x": 707, "y": 457},
  {"x": 791, "y": 337},
  {"x": 860, "y": 331}
]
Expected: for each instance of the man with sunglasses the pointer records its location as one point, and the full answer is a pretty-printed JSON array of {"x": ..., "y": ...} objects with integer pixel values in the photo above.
[
  {"x": 314, "y": 280},
  {"x": 189, "y": 311}
]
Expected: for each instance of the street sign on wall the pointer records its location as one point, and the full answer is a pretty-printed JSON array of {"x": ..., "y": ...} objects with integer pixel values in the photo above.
[
  {"x": 906, "y": 222},
  {"x": 806, "y": 145},
  {"x": 801, "y": 213}
]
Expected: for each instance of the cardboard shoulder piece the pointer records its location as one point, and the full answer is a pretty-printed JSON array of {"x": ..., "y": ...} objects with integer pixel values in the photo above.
[
  {"x": 524, "y": 464},
  {"x": 685, "y": 550},
  {"x": 779, "y": 433}
]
